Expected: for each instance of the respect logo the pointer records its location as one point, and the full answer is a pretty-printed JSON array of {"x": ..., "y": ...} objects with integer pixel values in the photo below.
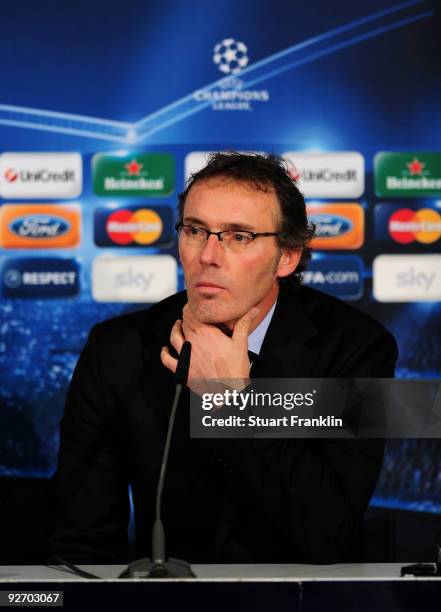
[
  {"x": 133, "y": 226},
  {"x": 406, "y": 226}
]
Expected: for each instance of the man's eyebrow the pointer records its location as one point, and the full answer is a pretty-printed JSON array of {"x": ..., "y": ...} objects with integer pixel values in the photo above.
[{"x": 223, "y": 226}]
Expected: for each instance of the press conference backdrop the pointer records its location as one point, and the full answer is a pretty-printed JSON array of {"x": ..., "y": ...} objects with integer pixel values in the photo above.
[{"x": 105, "y": 110}]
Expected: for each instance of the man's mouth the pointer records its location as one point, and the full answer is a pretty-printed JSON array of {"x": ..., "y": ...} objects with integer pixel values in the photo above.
[{"x": 208, "y": 286}]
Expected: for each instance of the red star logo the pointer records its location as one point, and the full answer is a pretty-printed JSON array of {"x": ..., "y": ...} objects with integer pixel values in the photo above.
[
  {"x": 133, "y": 168},
  {"x": 416, "y": 167}
]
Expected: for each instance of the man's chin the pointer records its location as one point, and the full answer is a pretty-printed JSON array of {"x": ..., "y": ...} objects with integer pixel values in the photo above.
[{"x": 210, "y": 312}]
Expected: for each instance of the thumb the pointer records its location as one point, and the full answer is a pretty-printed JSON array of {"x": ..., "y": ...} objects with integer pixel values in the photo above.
[{"x": 242, "y": 326}]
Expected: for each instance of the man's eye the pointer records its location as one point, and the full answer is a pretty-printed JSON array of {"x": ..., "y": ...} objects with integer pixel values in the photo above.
[
  {"x": 194, "y": 231},
  {"x": 241, "y": 237}
]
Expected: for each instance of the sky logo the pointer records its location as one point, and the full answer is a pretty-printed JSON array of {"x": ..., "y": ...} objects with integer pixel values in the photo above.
[
  {"x": 407, "y": 278},
  {"x": 146, "y": 279}
]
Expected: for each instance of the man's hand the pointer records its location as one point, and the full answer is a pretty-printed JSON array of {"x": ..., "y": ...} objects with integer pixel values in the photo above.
[{"x": 214, "y": 355}]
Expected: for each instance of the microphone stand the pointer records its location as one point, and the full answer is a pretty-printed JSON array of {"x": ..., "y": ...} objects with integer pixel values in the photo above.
[{"x": 159, "y": 566}]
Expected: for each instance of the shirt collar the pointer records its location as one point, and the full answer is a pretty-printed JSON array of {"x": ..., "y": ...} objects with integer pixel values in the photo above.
[{"x": 256, "y": 337}]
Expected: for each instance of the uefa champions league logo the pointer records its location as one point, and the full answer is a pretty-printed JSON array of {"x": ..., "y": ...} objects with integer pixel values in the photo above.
[
  {"x": 230, "y": 56},
  {"x": 230, "y": 93}
]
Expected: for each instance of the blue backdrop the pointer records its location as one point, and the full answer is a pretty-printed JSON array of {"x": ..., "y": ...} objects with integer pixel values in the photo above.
[{"x": 126, "y": 80}]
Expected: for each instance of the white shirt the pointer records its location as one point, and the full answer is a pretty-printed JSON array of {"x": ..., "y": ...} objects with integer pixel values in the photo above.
[{"x": 256, "y": 337}]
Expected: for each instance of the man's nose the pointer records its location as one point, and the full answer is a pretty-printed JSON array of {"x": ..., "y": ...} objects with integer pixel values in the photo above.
[{"x": 212, "y": 251}]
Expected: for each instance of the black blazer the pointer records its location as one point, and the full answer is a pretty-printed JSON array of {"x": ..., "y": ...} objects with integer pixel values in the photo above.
[{"x": 235, "y": 501}]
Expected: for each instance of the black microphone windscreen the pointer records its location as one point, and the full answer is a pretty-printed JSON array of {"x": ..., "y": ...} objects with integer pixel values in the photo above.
[{"x": 183, "y": 367}]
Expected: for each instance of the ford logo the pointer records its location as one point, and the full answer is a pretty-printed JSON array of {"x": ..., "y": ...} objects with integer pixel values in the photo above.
[
  {"x": 40, "y": 226},
  {"x": 330, "y": 226}
]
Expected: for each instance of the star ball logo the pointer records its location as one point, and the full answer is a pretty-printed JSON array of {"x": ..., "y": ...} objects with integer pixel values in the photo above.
[
  {"x": 230, "y": 56},
  {"x": 407, "y": 174}
]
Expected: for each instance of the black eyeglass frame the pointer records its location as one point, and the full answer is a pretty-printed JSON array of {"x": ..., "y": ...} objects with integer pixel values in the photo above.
[{"x": 180, "y": 226}]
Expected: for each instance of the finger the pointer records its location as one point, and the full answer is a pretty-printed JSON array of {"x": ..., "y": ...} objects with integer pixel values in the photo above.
[
  {"x": 177, "y": 337},
  {"x": 167, "y": 360},
  {"x": 242, "y": 326},
  {"x": 186, "y": 329}
]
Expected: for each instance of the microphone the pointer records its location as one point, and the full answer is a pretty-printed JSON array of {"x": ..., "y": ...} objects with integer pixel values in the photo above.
[{"x": 158, "y": 566}]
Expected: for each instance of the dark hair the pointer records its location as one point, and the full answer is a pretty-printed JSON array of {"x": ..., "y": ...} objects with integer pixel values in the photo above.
[{"x": 263, "y": 172}]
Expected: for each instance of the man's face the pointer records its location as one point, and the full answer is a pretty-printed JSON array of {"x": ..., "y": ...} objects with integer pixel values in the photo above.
[{"x": 222, "y": 286}]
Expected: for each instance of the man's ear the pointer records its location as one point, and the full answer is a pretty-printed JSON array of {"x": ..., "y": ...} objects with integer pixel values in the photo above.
[{"x": 288, "y": 262}]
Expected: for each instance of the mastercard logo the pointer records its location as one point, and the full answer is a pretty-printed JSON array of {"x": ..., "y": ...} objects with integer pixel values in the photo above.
[
  {"x": 406, "y": 226},
  {"x": 125, "y": 227}
]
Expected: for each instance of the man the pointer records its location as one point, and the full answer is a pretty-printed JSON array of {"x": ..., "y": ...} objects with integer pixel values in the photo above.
[{"x": 243, "y": 236}]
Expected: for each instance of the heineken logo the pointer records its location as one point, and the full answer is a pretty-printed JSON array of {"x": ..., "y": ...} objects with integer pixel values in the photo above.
[
  {"x": 142, "y": 174},
  {"x": 407, "y": 174},
  {"x": 416, "y": 167}
]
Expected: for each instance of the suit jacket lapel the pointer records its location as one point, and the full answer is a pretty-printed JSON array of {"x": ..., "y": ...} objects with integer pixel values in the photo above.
[
  {"x": 157, "y": 383},
  {"x": 284, "y": 352}
]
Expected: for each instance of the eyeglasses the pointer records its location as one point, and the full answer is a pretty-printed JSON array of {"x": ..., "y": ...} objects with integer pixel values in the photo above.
[{"x": 231, "y": 240}]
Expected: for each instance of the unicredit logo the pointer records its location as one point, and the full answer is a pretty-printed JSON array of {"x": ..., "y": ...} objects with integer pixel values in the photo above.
[
  {"x": 336, "y": 174},
  {"x": 40, "y": 175},
  {"x": 326, "y": 175},
  {"x": 11, "y": 175}
]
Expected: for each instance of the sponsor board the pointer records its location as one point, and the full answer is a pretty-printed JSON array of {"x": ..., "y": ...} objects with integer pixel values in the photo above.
[
  {"x": 409, "y": 225},
  {"x": 135, "y": 174},
  {"x": 39, "y": 176},
  {"x": 30, "y": 226},
  {"x": 338, "y": 226},
  {"x": 39, "y": 277},
  {"x": 336, "y": 174},
  {"x": 133, "y": 226},
  {"x": 408, "y": 175},
  {"x": 338, "y": 276},
  {"x": 407, "y": 278},
  {"x": 147, "y": 278}
]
